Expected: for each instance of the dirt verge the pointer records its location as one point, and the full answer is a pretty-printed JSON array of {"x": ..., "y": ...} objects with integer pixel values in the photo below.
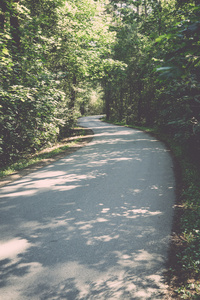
[{"x": 88, "y": 136}]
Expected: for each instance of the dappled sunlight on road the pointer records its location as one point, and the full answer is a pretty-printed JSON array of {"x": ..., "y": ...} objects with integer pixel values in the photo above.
[
  {"x": 71, "y": 247},
  {"x": 12, "y": 248},
  {"x": 83, "y": 228}
]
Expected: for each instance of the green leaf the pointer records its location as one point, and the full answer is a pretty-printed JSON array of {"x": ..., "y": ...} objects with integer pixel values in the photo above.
[
  {"x": 161, "y": 69},
  {"x": 5, "y": 51}
]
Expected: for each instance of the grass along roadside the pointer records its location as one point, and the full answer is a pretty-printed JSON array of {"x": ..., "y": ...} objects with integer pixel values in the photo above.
[
  {"x": 65, "y": 146},
  {"x": 31, "y": 160},
  {"x": 184, "y": 256}
]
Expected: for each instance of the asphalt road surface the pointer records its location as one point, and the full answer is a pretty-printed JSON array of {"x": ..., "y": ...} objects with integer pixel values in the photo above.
[{"x": 93, "y": 225}]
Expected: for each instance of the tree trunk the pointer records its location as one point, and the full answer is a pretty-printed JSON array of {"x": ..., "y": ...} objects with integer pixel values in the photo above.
[
  {"x": 14, "y": 25},
  {"x": 3, "y": 7},
  {"x": 73, "y": 93},
  {"x": 145, "y": 8},
  {"x": 139, "y": 104},
  {"x": 159, "y": 18},
  {"x": 138, "y": 9},
  {"x": 121, "y": 111},
  {"x": 107, "y": 99}
]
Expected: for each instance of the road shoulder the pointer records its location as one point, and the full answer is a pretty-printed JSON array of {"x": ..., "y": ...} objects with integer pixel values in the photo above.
[{"x": 45, "y": 162}]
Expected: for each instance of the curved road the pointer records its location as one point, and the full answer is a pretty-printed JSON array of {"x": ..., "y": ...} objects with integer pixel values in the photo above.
[{"x": 93, "y": 225}]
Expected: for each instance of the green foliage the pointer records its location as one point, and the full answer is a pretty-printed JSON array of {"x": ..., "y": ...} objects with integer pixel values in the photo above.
[
  {"x": 191, "y": 291},
  {"x": 50, "y": 50},
  {"x": 160, "y": 84},
  {"x": 137, "y": 61}
]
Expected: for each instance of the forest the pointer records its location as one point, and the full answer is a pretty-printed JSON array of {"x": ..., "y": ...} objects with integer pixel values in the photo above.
[{"x": 136, "y": 61}]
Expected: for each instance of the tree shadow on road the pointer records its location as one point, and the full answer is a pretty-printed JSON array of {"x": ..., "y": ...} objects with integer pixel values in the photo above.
[{"x": 81, "y": 229}]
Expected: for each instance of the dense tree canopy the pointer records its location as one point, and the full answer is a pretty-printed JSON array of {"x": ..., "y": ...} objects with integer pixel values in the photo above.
[
  {"x": 159, "y": 43},
  {"x": 137, "y": 61},
  {"x": 51, "y": 58}
]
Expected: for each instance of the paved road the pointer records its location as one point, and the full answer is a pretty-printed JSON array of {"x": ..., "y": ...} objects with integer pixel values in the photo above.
[{"x": 94, "y": 225}]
